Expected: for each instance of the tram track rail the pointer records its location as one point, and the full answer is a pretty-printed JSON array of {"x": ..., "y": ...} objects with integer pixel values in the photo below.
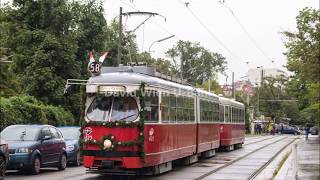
[
  {"x": 260, "y": 140},
  {"x": 244, "y": 156},
  {"x": 259, "y": 170}
]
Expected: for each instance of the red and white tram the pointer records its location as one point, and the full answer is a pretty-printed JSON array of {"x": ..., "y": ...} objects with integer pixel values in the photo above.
[{"x": 144, "y": 130}]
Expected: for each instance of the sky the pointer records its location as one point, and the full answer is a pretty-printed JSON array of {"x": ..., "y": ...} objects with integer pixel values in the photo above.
[{"x": 246, "y": 32}]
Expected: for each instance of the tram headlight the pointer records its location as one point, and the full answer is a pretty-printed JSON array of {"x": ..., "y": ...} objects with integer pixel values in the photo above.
[{"x": 107, "y": 143}]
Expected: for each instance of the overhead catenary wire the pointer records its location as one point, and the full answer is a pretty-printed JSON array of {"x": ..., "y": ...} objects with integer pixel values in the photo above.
[
  {"x": 254, "y": 42},
  {"x": 186, "y": 4}
]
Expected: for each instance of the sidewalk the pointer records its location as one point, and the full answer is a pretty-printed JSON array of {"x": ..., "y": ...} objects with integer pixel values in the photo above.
[{"x": 308, "y": 163}]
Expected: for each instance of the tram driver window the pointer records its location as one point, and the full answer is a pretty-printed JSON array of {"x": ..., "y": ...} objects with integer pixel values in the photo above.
[
  {"x": 151, "y": 106},
  {"x": 124, "y": 109}
]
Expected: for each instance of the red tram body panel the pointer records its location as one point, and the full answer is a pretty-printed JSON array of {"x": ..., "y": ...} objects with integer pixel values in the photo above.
[
  {"x": 209, "y": 137},
  {"x": 231, "y": 134},
  {"x": 165, "y": 143}
]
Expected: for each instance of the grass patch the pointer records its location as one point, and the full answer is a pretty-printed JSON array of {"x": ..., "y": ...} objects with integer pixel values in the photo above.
[{"x": 283, "y": 160}]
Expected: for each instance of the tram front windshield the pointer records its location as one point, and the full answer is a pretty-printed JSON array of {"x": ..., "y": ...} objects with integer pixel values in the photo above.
[{"x": 113, "y": 109}]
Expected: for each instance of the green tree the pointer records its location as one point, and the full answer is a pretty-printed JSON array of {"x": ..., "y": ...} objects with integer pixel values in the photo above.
[
  {"x": 88, "y": 27},
  {"x": 304, "y": 60},
  {"x": 271, "y": 94},
  {"x": 49, "y": 41},
  {"x": 214, "y": 86},
  {"x": 196, "y": 63},
  {"x": 129, "y": 48}
]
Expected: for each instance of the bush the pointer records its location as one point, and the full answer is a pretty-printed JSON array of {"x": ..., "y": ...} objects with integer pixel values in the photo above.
[{"x": 27, "y": 110}]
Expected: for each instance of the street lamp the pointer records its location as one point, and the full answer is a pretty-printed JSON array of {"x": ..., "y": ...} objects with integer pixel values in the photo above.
[{"x": 160, "y": 40}]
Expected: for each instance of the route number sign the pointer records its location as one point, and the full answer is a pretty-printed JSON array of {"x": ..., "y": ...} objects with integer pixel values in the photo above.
[{"x": 95, "y": 67}]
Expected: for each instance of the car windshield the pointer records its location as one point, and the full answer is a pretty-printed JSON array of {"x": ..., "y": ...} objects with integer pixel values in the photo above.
[
  {"x": 70, "y": 133},
  {"x": 113, "y": 109},
  {"x": 20, "y": 133}
]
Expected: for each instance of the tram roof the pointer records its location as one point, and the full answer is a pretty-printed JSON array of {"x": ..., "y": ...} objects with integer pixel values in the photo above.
[
  {"x": 227, "y": 101},
  {"x": 133, "y": 78},
  {"x": 137, "y": 75},
  {"x": 206, "y": 93}
]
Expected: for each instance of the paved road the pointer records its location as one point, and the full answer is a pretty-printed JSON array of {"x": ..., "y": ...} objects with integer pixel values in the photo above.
[{"x": 185, "y": 172}]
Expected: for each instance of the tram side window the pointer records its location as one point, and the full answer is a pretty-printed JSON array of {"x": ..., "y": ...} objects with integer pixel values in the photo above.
[
  {"x": 209, "y": 111},
  {"x": 185, "y": 109},
  {"x": 237, "y": 115},
  {"x": 152, "y": 106},
  {"x": 221, "y": 117},
  {"x": 165, "y": 107},
  {"x": 204, "y": 111},
  {"x": 179, "y": 111},
  {"x": 242, "y": 115},
  {"x": 173, "y": 109},
  {"x": 191, "y": 109},
  {"x": 212, "y": 111},
  {"x": 234, "y": 114},
  {"x": 216, "y": 112},
  {"x": 227, "y": 113}
]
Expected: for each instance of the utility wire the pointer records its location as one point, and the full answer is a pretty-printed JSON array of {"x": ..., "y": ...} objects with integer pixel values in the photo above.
[
  {"x": 208, "y": 30},
  {"x": 245, "y": 30}
]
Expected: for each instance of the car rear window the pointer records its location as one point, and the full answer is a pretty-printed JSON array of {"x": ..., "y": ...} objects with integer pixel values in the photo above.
[{"x": 20, "y": 133}]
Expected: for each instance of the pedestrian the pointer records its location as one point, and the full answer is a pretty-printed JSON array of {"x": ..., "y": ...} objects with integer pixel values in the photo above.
[
  {"x": 306, "y": 131},
  {"x": 281, "y": 128},
  {"x": 270, "y": 128},
  {"x": 273, "y": 129},
  {"x": 259, "y": 129}
]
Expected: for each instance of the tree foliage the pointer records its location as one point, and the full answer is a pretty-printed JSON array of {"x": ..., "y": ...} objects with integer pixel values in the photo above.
[
  {"x": 303, "y": 53},
  {"x": 49, "y": 41},
  {"x": 271, "y": 94},
  {"x": 27, "y": 110},
  {"x": 196, "y": 63}
]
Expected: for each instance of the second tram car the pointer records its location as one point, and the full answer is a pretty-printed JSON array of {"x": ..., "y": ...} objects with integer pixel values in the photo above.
[
  {"x": 232, "y": 126},
  {"x": 181, "y": 122}
]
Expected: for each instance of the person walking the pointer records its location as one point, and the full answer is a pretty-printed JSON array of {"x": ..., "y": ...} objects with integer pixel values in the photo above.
[
  {"x": 270, "y": 127},
  {"x": 281, "y": 128},
  {"x": 273, "y": 129},
  {"x": 306, "y": 131}
]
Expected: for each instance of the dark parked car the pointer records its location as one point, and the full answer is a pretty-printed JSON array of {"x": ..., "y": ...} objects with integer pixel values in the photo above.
[
  {"x": 314, "y": 131},
  {"x": 290, "y": 130},
  {"x": 4, "y": 154},
  {"x": 71, "y": 135},
  {"x": 32, "y": 147}
]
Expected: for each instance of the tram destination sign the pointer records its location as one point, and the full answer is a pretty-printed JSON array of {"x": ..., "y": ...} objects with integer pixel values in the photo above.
[{"x": 111, "y": 88}]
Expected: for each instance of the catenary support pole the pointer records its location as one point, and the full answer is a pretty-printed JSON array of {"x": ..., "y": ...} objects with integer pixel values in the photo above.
[{"x": 120, "y": 38}]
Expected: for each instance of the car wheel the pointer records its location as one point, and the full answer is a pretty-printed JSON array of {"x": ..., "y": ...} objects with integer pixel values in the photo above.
[
  {"x": 35, "y": 166},
  {"x": 63, "y": 162},
  {"x": 77, "y": 161},
  {"x": 2, "y": 167}
]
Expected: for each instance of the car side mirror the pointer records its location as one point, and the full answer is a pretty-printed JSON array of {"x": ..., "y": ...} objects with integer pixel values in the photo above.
[{"x": 46, "y": 138}]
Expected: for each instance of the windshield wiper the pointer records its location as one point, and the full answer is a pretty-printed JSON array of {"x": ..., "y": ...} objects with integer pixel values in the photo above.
[
  {"x": 127, "y": 117},
  {"x": 23, "y": 133}
]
